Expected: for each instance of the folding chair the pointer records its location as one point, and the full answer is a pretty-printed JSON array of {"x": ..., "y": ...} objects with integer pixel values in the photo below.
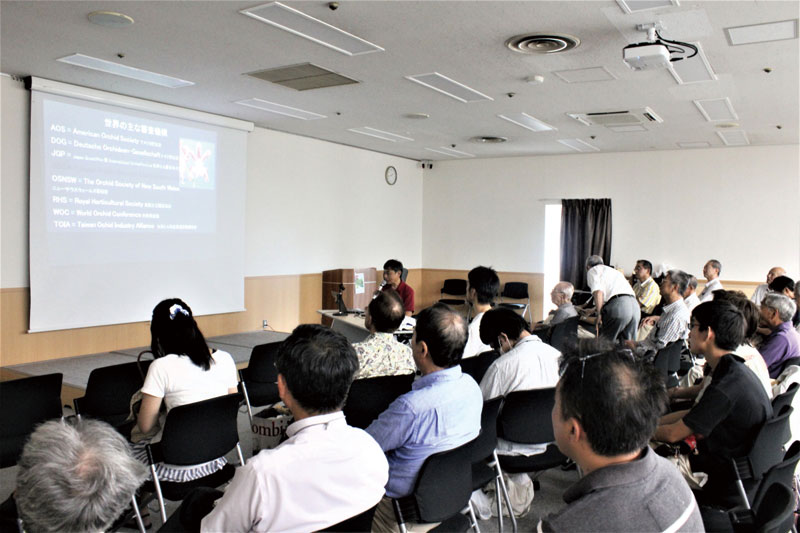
[
  {"x": 775, "y": 514},
  {"x": 476, "y": 366},
  {"x": 194, "y": 434},
  {"x": 516, "y": 290},
  {"x": 442, "y": 489},
  {"x": 668, "y": 361},
  {"x": 259, "y": 381},
  {"x": 782, "y": 473},
  {"x": 782, "y": 400},
  {"x": 369, "y": 397},
  {"x": 766, "y": 452},
  {"x": 525, "y": 419},
  {"x": 485, "y": 465},
  {"x": 26, "y": 403},
  {"x": 564, "y": 334},
  {"x": 454, "y": 287},
  {"x": 108, "y": 394}
]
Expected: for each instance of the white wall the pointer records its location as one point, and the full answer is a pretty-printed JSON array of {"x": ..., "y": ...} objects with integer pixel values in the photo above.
[
  {"x": 738, "y": 205},
  {"x": 311, "y": 205}
]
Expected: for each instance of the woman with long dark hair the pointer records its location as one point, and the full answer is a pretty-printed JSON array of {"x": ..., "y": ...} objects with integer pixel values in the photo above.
[{"x": 185, "y": 371}]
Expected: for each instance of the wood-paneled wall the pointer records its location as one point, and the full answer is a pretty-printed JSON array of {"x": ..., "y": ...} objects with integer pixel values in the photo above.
[{"x": 284, "y": 301}]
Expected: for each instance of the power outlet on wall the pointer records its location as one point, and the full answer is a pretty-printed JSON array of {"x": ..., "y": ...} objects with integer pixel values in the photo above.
[{"x": 264, "y": 324}]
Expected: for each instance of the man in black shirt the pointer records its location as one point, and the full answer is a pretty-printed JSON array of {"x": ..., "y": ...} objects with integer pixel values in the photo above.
[{"x": 732, "y": 408}]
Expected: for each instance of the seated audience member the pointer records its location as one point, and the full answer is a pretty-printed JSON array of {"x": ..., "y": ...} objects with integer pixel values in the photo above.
[
  {"x": 607, "y": 407},
  {"x": 732, "y": 409},
  {"x": 381, "y": 354},
  {"x": 393, "y": 276},
  {"x": 761, "y": 290},
  {"x": 690, "y": 294},
  {"x": 484, "y": 286},
  {"x": 645, "y": 287},
  {"x": 783, "y": 342},
  {"x": 673, "y": 324},
  {"x": 326, "y": 471},
  {"x": 711, "y": 271},
  {"x": 441, "y": 412},
  {"x": 616, "y": 305},
  {"x": 561, "y": 296},
  {"x": 185, "y": 371},
  {"x": 786, "y": 286},
  {"x": 75, "y": 477}
]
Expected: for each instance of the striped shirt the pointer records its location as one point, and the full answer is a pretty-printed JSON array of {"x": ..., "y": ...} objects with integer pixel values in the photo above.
[
  {"x": 648, "y": 294},
  {"x": 672, "y": 326}
]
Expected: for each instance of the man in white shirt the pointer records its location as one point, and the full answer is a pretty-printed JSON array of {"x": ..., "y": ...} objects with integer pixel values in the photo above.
[
  {"x": 690, "y": 294},
  {"x": 762, "y": 289},
  {"x": 615, "y": 303},
  {"x": 483, "y": 288},
  {"x": 326, "y": 471},
  {"x": 711, "y": 271}
]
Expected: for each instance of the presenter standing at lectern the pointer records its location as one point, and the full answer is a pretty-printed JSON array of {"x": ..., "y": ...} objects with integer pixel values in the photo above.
[{"x": 393, "y": 276}]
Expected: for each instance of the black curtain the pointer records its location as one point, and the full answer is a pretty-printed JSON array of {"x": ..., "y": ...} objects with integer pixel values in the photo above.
[{"x": 585, "y": 231}]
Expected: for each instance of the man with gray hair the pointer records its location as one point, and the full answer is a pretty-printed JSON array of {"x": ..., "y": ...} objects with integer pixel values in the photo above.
[
  {"x": 711, "y": 271},
  {"x": 617, "y": 309},
  {"x": 561, "y": 296},
  {"x": 75, "y": 477},
  {"x": 690, "y": 294},
  {"x": 673, "y": 324},
  {"x": 783, "y": 342}
]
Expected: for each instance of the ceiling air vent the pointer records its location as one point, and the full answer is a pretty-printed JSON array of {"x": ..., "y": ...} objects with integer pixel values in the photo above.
[
  {"x": 302, "y": 77},
  {"x": 618, "y": 118},
  {"x": 551, "y": 43}
]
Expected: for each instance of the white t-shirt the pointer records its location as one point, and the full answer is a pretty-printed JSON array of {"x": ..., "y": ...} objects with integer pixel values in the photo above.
[
  {"x": 179, "y": 381},
  {"x": 474, "y": 344},
  {"x": 608, "y": 280}
]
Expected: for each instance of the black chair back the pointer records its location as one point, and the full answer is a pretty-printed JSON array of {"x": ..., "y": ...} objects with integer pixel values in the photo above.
[
  {"x": 454, "y": 287},
  {"x": 359, "y": 523},
  {"x": 767, "y": 449},
  {"x": 782, "y": 473},
  {"x": 794, "y": 361},
  {"x": 369, "y": 397},
  {"x": 476, "y": 366},
  {"x": 525, "y": 417},
  {"x": 776, "y": 513},
  {"x": 516, "y": 290},
  {"x": 564, "y": 334},
  {"x": 782, "y": 400},
  {"x": 668, "y": 361},
  {"x": 26, "y": 403},
  {"x": 109, "y": 391},
  {"x": 443, "y": 487},
  {"x": 199, "y": 432},
  {"x": 261, "y": 377},
  {"x": 484, "y": 444}
]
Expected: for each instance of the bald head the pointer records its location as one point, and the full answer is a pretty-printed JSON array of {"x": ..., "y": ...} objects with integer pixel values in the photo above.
[{"x": 775, "y": 272}]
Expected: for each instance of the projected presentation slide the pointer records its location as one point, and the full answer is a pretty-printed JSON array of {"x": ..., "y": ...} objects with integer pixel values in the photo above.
[{"x": 111, "y": 172}]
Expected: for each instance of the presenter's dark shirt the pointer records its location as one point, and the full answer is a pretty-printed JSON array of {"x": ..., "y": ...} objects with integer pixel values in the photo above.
[{"x": 406, "y": 293}]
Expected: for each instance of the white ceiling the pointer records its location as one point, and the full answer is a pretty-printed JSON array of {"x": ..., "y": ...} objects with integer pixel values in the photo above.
[{"x": 213, "y": 45}]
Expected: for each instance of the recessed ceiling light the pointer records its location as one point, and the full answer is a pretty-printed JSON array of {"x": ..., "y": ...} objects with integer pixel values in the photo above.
[
  {"x": 109, "y": 67},
  {"x": 551, "y": 43},
  {"x": 727, "y": 125},
  {"x": 488, "y": 139},
  {"x": 279, "y": 109},
  {"x": 634, "y": 6},
  {"x": 694, "y": 70},
  {"x": 417, "y": 116},
  {"x": 380, "y": 134},
  {"x": 527, "y": 121},
  {"x": 109, "y": 19},
  {"x": 579, "y": 145},
  {"x": 716, "y": 109},
  {"x": 452, "y": 88},
  {"x": 734, "y": 137},
  {"x": 762, "y": 33},
  {"x": 694, "y": 144},
  {"x": 449, "y": 152},
  {"x": 584, "y": 75},
  {"x": 296, "y": 22}
]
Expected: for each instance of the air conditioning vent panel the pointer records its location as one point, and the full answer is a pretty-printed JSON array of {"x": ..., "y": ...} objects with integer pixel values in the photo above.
[{"x": 618, "y": 118}]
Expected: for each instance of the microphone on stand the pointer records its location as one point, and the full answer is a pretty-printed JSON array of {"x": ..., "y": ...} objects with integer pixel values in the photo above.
[{"x": 379, "y": 289}]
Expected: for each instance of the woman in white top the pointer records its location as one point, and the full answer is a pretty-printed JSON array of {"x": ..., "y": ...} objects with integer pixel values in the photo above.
[{"x": 185, "y": 371}]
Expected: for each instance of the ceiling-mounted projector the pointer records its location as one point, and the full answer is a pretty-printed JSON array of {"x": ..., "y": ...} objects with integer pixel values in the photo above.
[
  {"x": 656, "y": 52},
  {"x": 643, "y": 56}
]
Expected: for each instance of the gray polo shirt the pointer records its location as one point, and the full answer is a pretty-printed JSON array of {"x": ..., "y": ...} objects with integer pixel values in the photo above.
[{"x": 647, "y": 494}]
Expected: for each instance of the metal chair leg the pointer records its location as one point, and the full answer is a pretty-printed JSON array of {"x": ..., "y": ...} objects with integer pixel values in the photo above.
[
  {"x": 472, "y": 518},
  {"x": 505, "y": 494},
  {"x": 136, "y": 512}
]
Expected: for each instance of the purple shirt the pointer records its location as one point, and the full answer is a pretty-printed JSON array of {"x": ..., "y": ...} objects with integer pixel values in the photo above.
[
  {"x": 782, "y": 344},
  {"x": 441, "y": 412}
]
